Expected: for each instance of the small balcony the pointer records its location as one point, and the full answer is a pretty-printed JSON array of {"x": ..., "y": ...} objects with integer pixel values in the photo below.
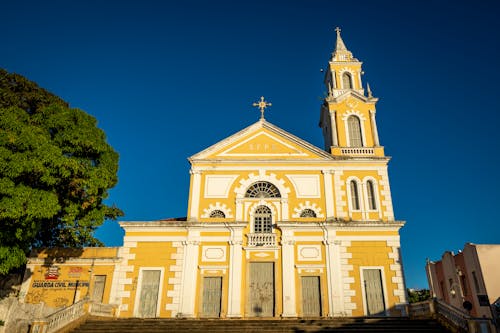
[
  {"x": 262, "y": 240},
  {"x": 358, "y": 151}
]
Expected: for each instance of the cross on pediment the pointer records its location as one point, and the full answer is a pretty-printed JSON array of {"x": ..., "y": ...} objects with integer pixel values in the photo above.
[{"x": 262, "y": 105}]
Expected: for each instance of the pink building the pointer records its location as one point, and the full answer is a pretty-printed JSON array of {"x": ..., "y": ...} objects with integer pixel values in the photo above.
[{"x": 468, "y": 280}]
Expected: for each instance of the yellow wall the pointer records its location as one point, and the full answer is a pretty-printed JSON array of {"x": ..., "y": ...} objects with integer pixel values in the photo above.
[
  {"x": 374, "y": 254},
  {"x": 60, "y": 277}
]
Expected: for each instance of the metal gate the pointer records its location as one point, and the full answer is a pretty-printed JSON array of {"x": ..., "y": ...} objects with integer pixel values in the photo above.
[
  {"x": 311, "y": 296},
  {"x": 260, "y": 294},
  {"x": 373, "y": 292},
  {"x": 98, "y": 288},
  {"x": 212, "y": 289},
  {"x": 148, "y": 302}
]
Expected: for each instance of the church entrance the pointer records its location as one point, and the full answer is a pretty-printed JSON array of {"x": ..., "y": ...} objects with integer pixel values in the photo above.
[
  {"x": 374, "y": 293},
  {"x": 212, "y": 290},
  {"x": 148, "y": 301},
  {"x": 260, "y": 293},
  {"x": 311, "y": 296}
]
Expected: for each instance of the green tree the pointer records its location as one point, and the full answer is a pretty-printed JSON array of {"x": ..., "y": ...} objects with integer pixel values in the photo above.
[
  {"x": 418, "y": 295},
  {"x": 55, "y": 171}
]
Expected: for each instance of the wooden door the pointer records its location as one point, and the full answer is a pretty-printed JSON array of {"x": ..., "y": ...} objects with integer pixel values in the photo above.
[
  {"x": 98, "y": 288},
  {"x": 260, "y": 293},
  {"x": 374, "y": 293},
  {"x": 212, "y": 292},
  {"x": 148, "y": 302},
  {"x": 311, "y": 296}
]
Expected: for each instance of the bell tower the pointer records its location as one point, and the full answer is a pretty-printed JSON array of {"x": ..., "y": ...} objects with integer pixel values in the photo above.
[{"x": 347, "y": 115}]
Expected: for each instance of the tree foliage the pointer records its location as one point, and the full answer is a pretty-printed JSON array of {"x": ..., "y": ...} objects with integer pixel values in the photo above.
[
  {"x": 418, "y": 295},
  {"x": 55, "y": 171}
]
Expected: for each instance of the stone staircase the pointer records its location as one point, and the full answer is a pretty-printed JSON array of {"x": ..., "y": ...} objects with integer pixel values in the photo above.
[{"x": 339, "y": 325}]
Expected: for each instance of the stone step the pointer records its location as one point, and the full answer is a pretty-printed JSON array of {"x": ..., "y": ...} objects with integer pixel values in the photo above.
[{"x": 341, "y": 325}]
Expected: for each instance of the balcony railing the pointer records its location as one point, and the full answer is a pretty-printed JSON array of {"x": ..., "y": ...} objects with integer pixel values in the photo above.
[
  {"x": 359, "y": 151},
  {"x": 264, "y": 240}
]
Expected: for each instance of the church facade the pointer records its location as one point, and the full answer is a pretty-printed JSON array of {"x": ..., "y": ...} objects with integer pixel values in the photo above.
[{"x": 275, "y": 227}]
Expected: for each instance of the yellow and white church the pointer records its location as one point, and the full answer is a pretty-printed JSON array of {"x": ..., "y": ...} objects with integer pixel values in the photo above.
[{"x": 275, "y": 227}]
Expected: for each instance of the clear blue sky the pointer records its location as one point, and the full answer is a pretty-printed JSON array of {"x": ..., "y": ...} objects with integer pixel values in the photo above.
[{"x": 166, "y": 79}]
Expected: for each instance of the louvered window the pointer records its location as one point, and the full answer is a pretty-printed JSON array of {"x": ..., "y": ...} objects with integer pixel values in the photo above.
[
  {"x": 370, "y": 191},
  {"x": 354, "y": 195},
  {"x": 354, "y": 127},
  {"x": 347, "y": 81}
]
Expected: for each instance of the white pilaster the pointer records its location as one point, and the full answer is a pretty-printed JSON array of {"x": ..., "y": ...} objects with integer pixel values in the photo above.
[
  {"x": 195, "y": 195},
  {"x": 239, "y": 209},
  {"x": 333, "y": 122},
  {"x": 333, "y": 273},
  {"x": 374, "y": 128},
  {"x": 337, "y": 283},
  {"x": 284, "y": 210},
  {"x": 235, "y": 268},
  {"x": 329, "y": 200},
  {"x": 189, "y": 276},
  {"x": 288, "y": 271}
]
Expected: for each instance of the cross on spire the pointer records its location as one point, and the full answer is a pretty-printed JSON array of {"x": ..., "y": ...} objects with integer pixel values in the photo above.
[
  {"x": 338, "y": 30},
  {"x": 262, "y": 105}
]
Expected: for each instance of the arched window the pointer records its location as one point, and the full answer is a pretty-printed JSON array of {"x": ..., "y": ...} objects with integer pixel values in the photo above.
[
  {"x": 262, "y": 190},
  {"x": 262, "y": 220},
  {"x": 370, "y": 192},
  {"x": 217, "y": 214},
  {"x": 354, "y": 128},
  {"x": 354, "y": 195},
  {"x": 308, "y": 213},
  {"x": 346, "y": 81}
]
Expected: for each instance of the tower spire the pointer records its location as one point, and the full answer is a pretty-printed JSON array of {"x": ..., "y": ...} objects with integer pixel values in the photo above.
[
  {"x": 341, "y": 53},
  {"x": 339, "y": 45}
]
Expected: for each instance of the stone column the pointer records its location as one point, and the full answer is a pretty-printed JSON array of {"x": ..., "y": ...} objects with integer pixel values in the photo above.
[
  {"x": 189, "y": 278},
  {"x": 235, "y": 268},
  {"x": 374, "y": 128},
  {"x": 333, "y": 123},
  {"x": 288, "y": 271},
  {"x": 195, "y": 195}
]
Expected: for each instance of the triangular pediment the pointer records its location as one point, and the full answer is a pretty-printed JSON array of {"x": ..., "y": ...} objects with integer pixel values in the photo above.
[{"x": 262, "y": 141}]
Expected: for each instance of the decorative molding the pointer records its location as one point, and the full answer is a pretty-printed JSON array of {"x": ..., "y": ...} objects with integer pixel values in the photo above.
[
  {"x": 218, "y": 206},
  {"x": 307, "y": 205}
]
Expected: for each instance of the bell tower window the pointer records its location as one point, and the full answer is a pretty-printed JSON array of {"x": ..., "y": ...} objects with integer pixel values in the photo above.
[
  {"x": 354, "y": 128},
  {"x": 347, "y": 81}
]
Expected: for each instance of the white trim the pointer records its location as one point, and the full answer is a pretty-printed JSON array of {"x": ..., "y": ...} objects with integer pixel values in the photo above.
[
  {"x": 306, "y": 165},
  {"x": 218, "y": 206},
  {"x": 363, "y": 291},
  {"x": 139, "y": 289},
  {"x": 307, "y": 205}
]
